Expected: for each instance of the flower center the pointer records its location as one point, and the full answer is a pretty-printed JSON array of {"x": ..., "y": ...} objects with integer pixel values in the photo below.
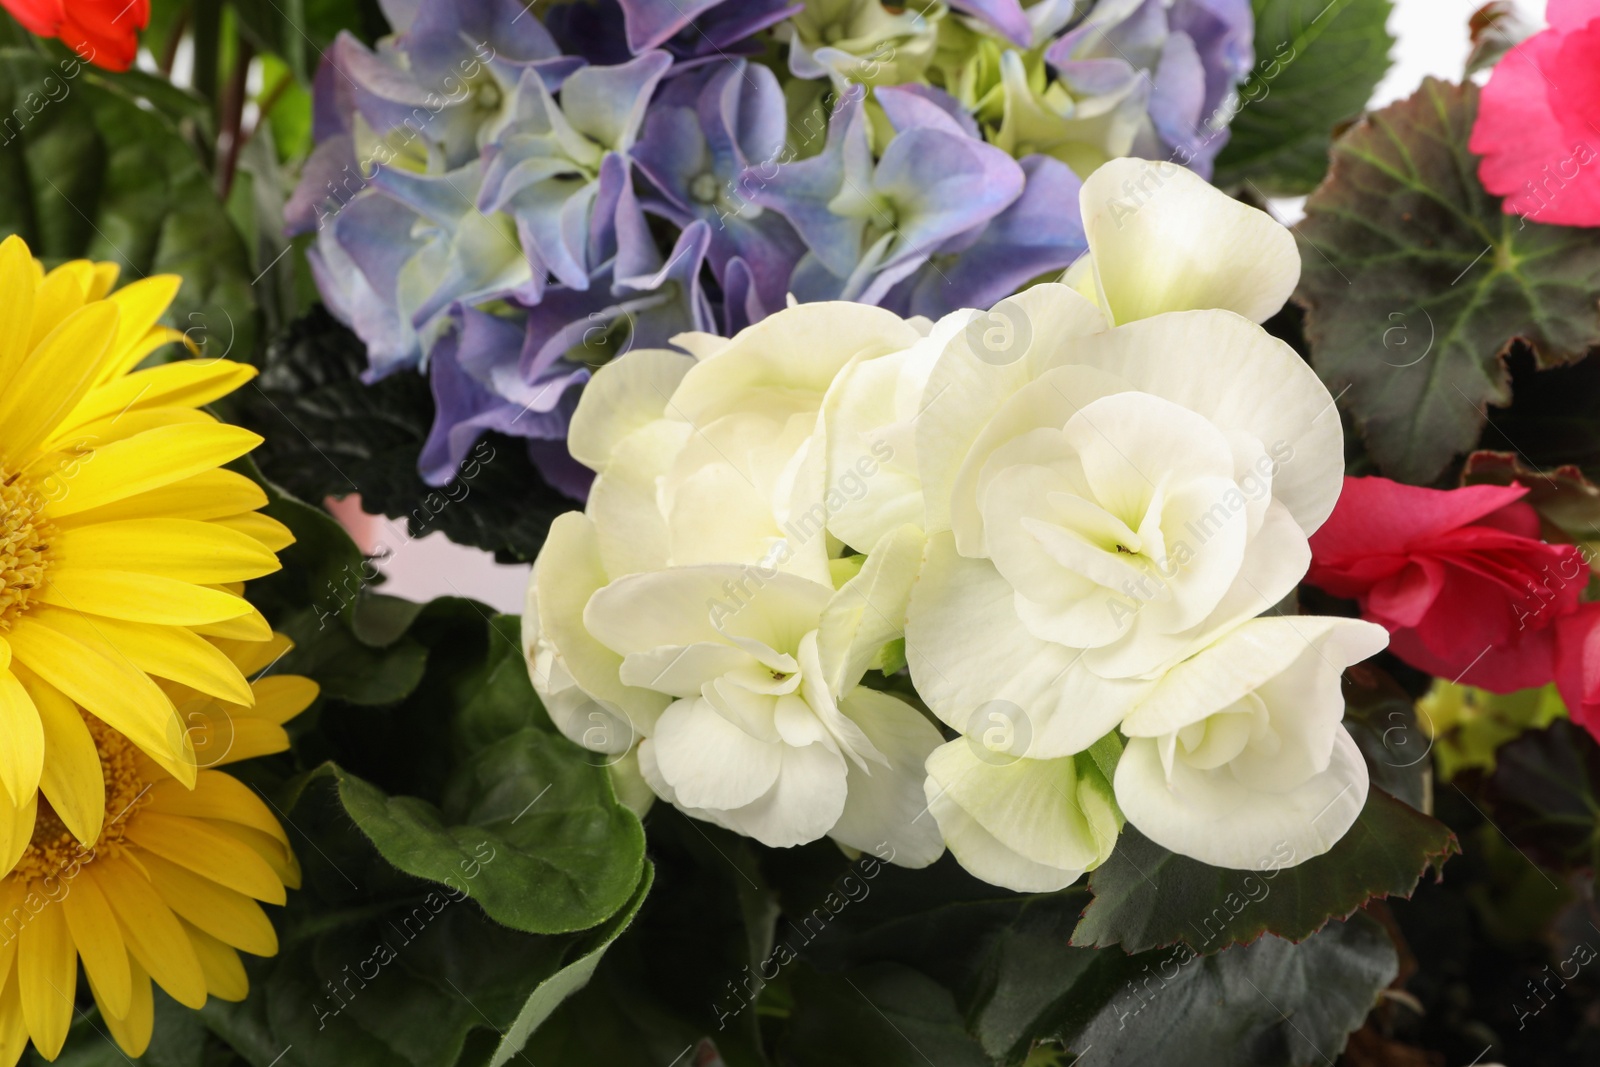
[
  {"x": 53, "y": 851},
  {"x": 24, "y": 544},
  {"x": 704, "y": 188}
]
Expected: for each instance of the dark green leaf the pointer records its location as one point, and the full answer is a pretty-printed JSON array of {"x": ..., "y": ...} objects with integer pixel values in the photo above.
[
  {"x": 378, "y": 969},
  {"x": 1383, "y": 720},
  {"x": 87, "y": 172},
  {"x": 330, "y": 434},
  {"x": 1146, "y": 897},
  {"x": 1545, "y": 795},
  {"x": 299, "y": 30},
  {"x": 885, "y": 1015},
  {"x": 1416, "y": 284},
  {"x": 1272, "y": 1003},
  {"x": 687, "y": 973},
  {"x": 1317, "y": 63}
]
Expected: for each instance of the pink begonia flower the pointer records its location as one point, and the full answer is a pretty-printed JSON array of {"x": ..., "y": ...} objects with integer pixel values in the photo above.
[{"x": 1538, "y": 127}]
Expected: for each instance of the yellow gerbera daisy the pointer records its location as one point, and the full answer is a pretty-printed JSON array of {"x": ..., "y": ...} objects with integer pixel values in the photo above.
[
  {"x": 118, "y": 532},
  {"x": 168, "y": 890}
]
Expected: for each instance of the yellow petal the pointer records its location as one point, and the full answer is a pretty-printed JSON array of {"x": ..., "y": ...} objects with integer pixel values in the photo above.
[
  {"x": 264, "y": 528},
  {"x": 13, "y": 1028},
  {"x": 224, "y": 913},
  {"x": 220, "y": 797},
  {"x": 140, "y": 597},
  {"x": 105, "y": 279},
  {"x": 99, "y": 940},
  {"x": 190, "y": 551},
  {"x": 252, "y": 627},
  {"x": 189, "y": 383},
  {"x": 225, "y": 977},
  {"x": 72, "y": 440},
  {"x": 52, "y": 379},
  {"x": 73, "y": 781},
  {"x": 47, "y": 971},
  {"x": 16, "y": 831},
  {"x": 148, "y": 461},
  {"x": 281, "y": 697},
  {"x": 210, "y": 495},
  {"x": 208, "y": 851},
  {"x": 224, "y": 738},
  {"x": 22, "y": 754},
  {"x": 16, "y": 305},
  {"x": 253, "y": 657},
  {"x": 150, "y": 930},
  {"x": 164, "y": 651},
  {"x": 142, "y": 303},
  {"x": 60, "y": 293},
  {"x": 110, "y": 688},
  {"x": 132, "y": 1033},
  {"x": 273, "y": 851}
]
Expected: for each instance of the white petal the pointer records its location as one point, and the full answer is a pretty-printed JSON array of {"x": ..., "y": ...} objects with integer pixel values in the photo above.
[
  {"x": 968, "y": 651},
  {"x": 869, "y": 610},
  {"x": 1246, "y": 658},
  {"x": 624, "y": 395},
  {"x": 1274, "y": 562},
  {"x": 1043, "y": 813},
  {"x": 788, "y": 358},
  {"x": 711, "y": 604},
  {"x": 1212, "y": 817},
  {"x": 623, "y": 501},
  {"x": 1244, "y": 381},
  {"x": 870, "y": 414},
  {"x": 561, "y": 652},
  {"x": 1164, "y": 239},
  {"x": 1026, "y": 335},
  {"x": 708, "y": 761},
  {"x": 885, "y": 812},
  {"x": 802, "y": 806}
]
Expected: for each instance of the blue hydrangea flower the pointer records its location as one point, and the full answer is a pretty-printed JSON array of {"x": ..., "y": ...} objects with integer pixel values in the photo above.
[
  {"x": 703, "y": 132},
  {"x": 548, "y": 166},
  {"x": 870, "y": 223}
]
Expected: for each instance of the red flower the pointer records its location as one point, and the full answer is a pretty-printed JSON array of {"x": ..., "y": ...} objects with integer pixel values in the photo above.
[
  {"x": 102, "y": 32},
  {"x": 1460, "y": 579},
  {"x": 1537, "y": 121},
  {"x": 1578, "y": 665}
]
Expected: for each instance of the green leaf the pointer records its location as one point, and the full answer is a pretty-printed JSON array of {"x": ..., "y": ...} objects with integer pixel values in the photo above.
[
  {"x": 1415, "y": 284},
  {"x": 682, "y": 974},
  {"x": 551, "y": 993},
  {"x": 300, "y": 30},
  {"x": 1316, "y": 66},
  {"x": 1273, "y": 1002},
  {"x": 1545, "y": 795},
  {"x": 378, "y": 969},
  {"x": 330, "y": 434},
  {"x": 91, "y": 173},
  {"x": 1146, "y": 897},
  {"x": 567, "y": 854},
  {"x": 886, "y": 1015},
  {"x": 1382, "y": 719}
]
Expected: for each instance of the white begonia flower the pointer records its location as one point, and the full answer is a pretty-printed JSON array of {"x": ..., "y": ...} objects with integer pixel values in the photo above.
[
  {"x": 576, "y": 677},
  {"x": 1238, "y": 757},
  {"x": 1109, "y": 508},
  {"x": 1162, "y": 238},
  {"x": 710, "y": 458},
  {"x": 769, "y": 733},
  {"x": 1034, "y": 826}
]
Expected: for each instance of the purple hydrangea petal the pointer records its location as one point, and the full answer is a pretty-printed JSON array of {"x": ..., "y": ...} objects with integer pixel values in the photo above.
[
  {"x": 922, "y": 105},
  {"x": 1007, "y": 16},
  {"x": 1030, "y": 238}
]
